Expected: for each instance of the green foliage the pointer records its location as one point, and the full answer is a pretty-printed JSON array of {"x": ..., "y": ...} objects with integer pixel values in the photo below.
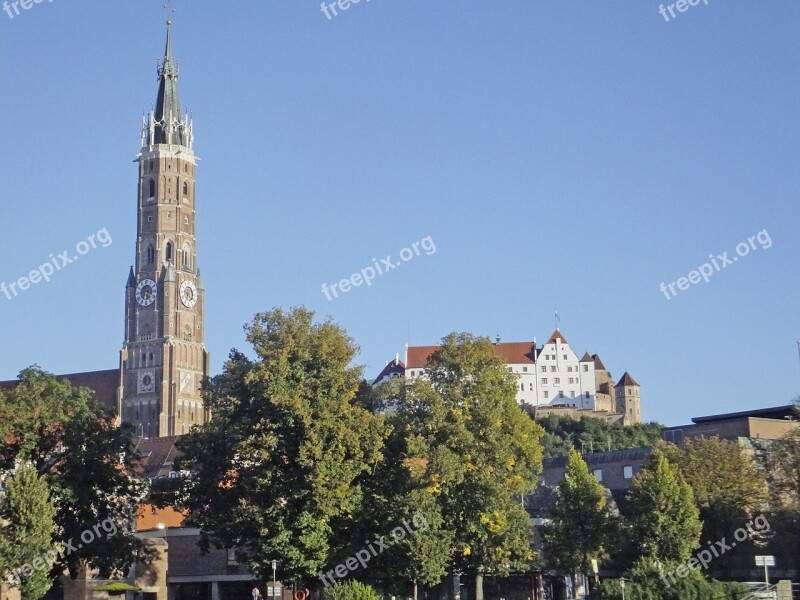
[
  {"x": 280, "y": 466},
  {"x": 644, "y": 582},
  {"x": 27, "y": 525},
  {"x": 581, "y": 528},
  {"x": 666, "y": 522},
  {"x": 350, "y": 590},
  {"x": 595, "y": 435},
  {"x": 727, "y": 484},
  {"x": 466, "y": 444},
  {"x": 85, "y": 458}
]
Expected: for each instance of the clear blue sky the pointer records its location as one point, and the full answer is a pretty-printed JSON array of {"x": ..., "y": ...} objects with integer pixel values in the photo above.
[{"x": 560, "y": 154}]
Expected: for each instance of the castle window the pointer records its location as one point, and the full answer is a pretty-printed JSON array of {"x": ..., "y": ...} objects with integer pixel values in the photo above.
[
  {"x": 150, "y": 166},
  {"x": 185, "y": 189},
  {"x": 152, "y": 189},
  {"x": 169, "y": 251},
  {"x": 151, "y": 254},
  {"x": 186, "y": 259}
]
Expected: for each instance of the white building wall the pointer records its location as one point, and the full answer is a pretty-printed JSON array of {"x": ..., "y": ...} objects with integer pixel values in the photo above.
[{"x": 558, "y": 364}]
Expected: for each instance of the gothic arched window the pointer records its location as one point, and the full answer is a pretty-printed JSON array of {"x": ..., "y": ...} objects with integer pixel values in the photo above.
[
  {"x": 169, "y": 251},
  {"x": 185, "y": 189},
  {"x": 152, "y": 189},
  {"x": 151, "y": 254},
  {"x": 186, "y": 259}
]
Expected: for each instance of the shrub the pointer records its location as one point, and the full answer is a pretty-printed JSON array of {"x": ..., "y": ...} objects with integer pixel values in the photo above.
[{"x": 350, "y": 590}]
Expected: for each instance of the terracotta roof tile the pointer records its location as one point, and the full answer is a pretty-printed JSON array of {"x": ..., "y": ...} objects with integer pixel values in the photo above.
[
  {"x": 598, "y": 364},
  {"x": 627, "y": 380},
  {"x": 104, "y": 384},
  {"x": 512, "y": 353},
  {"x": 557, "y": 336}
]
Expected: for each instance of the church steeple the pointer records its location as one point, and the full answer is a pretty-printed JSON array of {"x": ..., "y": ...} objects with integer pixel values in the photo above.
[
  {"x": 165, "y": 125},
  {"x": 164, "y": 359}
]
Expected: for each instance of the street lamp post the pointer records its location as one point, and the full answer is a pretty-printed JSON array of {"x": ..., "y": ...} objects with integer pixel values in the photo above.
[
  {"x": 622, "y": 584},
  {"x": 274, "y": 581}
]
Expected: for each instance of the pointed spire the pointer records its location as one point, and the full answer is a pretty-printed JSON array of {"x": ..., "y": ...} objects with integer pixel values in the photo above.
[
  {"x": 169, "y": 125},
  {"x": 199, "y": 281},
  {"x": 131, "y": 279}
]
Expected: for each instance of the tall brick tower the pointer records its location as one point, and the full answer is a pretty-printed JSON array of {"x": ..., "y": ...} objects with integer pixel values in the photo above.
[{"x": 163, "y": 359}]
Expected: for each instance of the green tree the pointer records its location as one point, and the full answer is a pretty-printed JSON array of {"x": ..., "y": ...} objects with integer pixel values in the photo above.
[
  {"x": 783, "y": 462},
  {"x": 581, "y": 527},
  {"x": 27, "y": 525},
  {"x": 666, "y": 521},
  {"x": 87, "y": 460},
  {"x": 279, "y": 468},
  {"x": 591, "y": 434},
  {"x": 476, "y": 453},
  {"x": 727, "y": 484}
]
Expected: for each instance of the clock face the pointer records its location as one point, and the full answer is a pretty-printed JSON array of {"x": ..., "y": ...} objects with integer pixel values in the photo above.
[
  {"x": 188, "y": 294},
  {"x": 146, "y": 382},
  {"x": 146, "y": 292}
]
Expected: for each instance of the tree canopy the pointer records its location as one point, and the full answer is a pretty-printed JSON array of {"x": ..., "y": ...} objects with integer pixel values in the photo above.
[
  {"x": 278, "y": 469},
  {"x": 86, "y": 459}
]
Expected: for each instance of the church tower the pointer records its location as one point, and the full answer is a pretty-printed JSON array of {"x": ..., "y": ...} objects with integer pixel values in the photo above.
[{"x": 164, "y": 358}]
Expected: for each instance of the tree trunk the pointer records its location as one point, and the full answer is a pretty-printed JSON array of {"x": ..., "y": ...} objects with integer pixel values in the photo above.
[
  {"x": 416, "y": 597},
  {"x": 478, "y": 586}
]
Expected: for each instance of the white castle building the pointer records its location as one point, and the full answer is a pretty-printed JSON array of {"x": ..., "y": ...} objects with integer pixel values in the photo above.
[{"x": 549, "y": 375}]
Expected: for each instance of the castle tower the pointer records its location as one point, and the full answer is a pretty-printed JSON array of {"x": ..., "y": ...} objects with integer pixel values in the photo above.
[
  {"x": 164, "y": 359},
  {"x": 628, "y": 400}
]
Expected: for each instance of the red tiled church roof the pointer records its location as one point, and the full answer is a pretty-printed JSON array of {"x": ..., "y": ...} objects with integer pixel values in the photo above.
[{"x": 104, "y": 384}]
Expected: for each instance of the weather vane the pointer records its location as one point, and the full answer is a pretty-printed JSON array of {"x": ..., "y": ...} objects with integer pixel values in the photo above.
[{"x": 170, "y": 10}]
